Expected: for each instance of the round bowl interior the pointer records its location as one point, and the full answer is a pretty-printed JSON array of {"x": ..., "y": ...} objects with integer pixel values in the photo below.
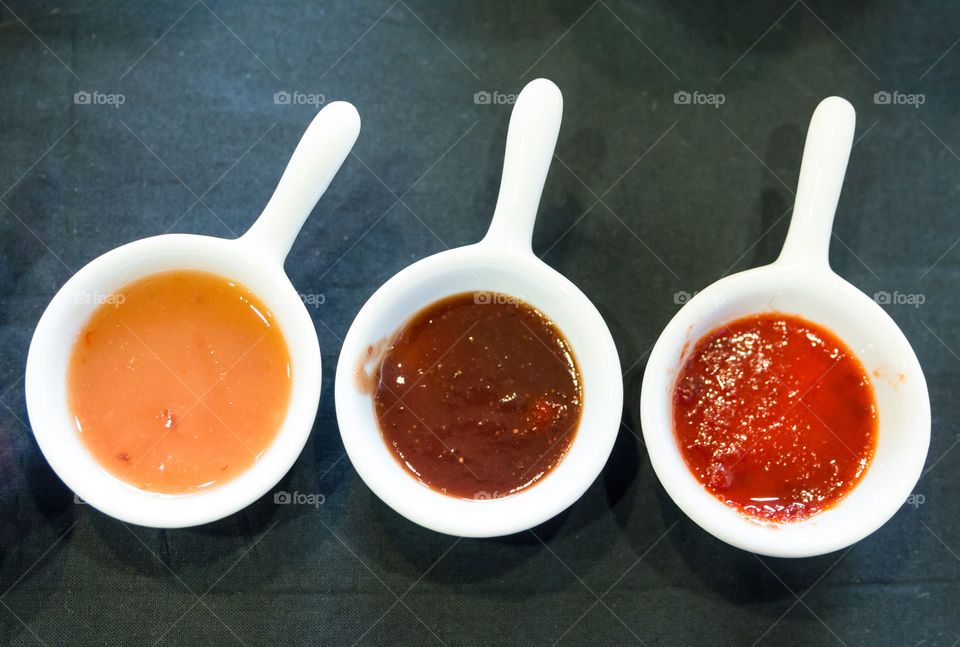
[
  {"x": 47, "y": 362},
  {"x": 903, "y": 407},
  {"x": 467, "y": 269}
]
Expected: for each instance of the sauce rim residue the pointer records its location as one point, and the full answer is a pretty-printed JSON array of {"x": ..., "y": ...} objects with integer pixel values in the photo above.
[
  {"x": 180, "y": 382},
  {"x": 535, "y": 416},
  {"x": 807, "y": 442}
]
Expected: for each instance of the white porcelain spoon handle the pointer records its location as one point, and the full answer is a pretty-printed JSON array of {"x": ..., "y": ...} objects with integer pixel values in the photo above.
[
  {"x": 531, "y": 138},
  {"x": 317, "y": 158},
  {"x": 824, "y": 164}
]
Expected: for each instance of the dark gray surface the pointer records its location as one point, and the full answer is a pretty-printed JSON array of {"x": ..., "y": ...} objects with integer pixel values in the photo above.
[{"x": 694, "y": 193}]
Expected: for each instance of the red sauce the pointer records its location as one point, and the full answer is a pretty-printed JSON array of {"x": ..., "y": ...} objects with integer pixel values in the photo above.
[
  {"x": 478, "y": 395},
  {"x": 775, "y": 416}
]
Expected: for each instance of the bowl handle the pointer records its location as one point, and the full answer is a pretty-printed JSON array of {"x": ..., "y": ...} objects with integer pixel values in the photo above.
[
  {"x": 317, "y": 158},
  {"x": 825, "y": 156},
  {"x": 531, "y": 137}
]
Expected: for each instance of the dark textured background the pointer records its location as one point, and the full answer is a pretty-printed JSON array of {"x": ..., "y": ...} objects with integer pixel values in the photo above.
[{"x": 687, "y": 195}]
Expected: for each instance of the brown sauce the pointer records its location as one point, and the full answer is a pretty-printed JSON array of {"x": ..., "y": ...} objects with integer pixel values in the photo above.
[{"x": 478, "y": 395}]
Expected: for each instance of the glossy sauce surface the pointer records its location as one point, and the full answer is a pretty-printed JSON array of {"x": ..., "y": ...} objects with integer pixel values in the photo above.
[
  {"x": 478, "y": 395},
  {"x": 179, "y": 381},
  {"x": 775, "y": 416}
]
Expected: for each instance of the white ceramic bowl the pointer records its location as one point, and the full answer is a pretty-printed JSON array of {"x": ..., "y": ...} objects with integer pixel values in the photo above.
[
  {"x": 254, "y": 260},
  {"x": 503, "y": 262},
  {"x": 801, "y": 283}
]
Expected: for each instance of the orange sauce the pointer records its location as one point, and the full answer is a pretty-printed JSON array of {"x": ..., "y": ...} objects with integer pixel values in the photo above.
[{"x": 179, "y": 381}]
